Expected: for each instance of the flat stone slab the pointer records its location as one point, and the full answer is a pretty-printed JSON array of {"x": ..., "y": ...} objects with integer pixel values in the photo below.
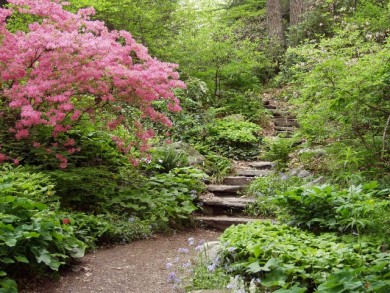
[
  {"x": 224, "y": 188},
  {"x": 281, "y": 113},
  {"x": 261, "y": 165},
  {"x": 223, "y": 222},
  {"x": 237, "y": 180},
  {"x": 252, "y": 172},
  {"x": 226, "y": 201},
  {"x": 280, "y": 128},
  {"x": 284, "y": 122}
]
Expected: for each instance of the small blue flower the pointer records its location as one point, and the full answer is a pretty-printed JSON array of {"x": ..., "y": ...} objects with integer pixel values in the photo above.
[
  {"x": 191, "y": 241},
  {"x": 212, "y": 267},
  {"x": 172, "y": 278},
  {"x": 231, "y": 249},
  {"x": 183, "y": 250},
  {"x": 168, "y": 265}
]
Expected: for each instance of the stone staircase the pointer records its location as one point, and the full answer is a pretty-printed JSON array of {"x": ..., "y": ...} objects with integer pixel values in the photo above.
[
  {"x": 284, "y": 122},
  {"x": 223, "y": 205}
]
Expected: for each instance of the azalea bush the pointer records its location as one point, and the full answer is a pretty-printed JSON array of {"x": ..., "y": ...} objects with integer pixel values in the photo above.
[{"x": 63, "y": 68}]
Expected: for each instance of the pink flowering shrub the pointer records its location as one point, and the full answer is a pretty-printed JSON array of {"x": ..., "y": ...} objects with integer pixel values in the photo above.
[{"x": 66, "y": 68}]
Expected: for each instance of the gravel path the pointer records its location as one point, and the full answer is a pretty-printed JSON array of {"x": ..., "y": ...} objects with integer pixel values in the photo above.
[{"x": 138, "y": 267}]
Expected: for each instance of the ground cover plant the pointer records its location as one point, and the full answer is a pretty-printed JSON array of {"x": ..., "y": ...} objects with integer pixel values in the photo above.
[{"x": 285, "y": 257}]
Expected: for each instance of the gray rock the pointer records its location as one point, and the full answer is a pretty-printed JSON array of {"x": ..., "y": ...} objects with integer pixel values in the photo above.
[
  {"x": 194, "y": 157},
  {"x": 252, "y": 172},
  {"x": 303, "y": 174},
  {"x": 224, "y": 188},
  {"x": 318, "y": 181},
  {"x": 261, "y": 165},
  {"x": 223, "y": 222},
  {"x": 237, "y": 180},
  {"x": 210, "y": 250}
]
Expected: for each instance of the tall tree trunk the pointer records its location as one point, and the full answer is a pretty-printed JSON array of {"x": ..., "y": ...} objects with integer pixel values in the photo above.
[
  {"x": 275, "y": 21},
  {"x": 297, "y": 11}
]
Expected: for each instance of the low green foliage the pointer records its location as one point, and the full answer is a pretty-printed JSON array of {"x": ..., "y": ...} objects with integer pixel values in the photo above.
[
  {"x": 217, "y": 166},
  {"x": 277, "y": 149},
  {"x": 99, "y": 229},
  {"x": 264, "y": 189},
  {"x": 21, "y": 182},
  {"x": 85, "y": 188},
  {"x": 328, "y": 208},
  {"x": 162, "y": 199},
  {"x": 234, "y": 137},
  {"x": 32, "y": 236},
  {"x": 283, "y": 257}
]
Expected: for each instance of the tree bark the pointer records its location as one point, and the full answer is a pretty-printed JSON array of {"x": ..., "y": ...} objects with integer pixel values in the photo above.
[
  {"x": 297, "y": 11},
  {"x": 275, "y": 21}
]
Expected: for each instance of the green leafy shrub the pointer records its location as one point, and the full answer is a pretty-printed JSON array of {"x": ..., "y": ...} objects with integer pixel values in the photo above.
[
  {"x": 162, "y": 199},
  {"x": 329, "y": 208},
  {"x": 248, "y": 104},
  {"x": 264, "y": 189},
  {"x": 234, "y": 137},
  {"x": 107, "y": 228},
  {"x": 286, "y": 257},
  {"x": 171, "y": 156},
  {"x": 19, "y": 181},
  {"x": 85, "y": 188},
  {"x": 217, "y": 166},
  {"x": 33, "y": 237},
  {"x": 277, "y": 149}
]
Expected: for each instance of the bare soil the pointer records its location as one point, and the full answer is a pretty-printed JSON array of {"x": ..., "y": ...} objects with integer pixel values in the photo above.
[{"x": 137, "y": 267}]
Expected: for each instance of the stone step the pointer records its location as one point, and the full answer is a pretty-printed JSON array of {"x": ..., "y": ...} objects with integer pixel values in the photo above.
[
  {"x": 224, "y": 205},
  {"x": 222, "y": 222},
  {"x": 237, "y": 180},
  {"x": 281, "y": 113},
  {"x": 261, "y": 165},
  {"x": 252, "y": 172},
  {"x": 224, "y": 189},
  {"x": 284, "y": 122},
  {"x": 226, "y": 201},
  {"x": 280, "y": 128}
]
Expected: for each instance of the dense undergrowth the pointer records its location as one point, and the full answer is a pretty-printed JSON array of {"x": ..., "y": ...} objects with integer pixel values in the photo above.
[{"x": 333, "y": 73}]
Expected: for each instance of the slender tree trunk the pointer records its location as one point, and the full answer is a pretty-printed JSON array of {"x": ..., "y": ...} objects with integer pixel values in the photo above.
[
  {"x": 275, "y": 21},
  {"x": 297, "y": 11}
]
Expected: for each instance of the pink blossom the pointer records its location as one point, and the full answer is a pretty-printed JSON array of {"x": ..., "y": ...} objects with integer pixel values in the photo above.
[
  {"x": 3, "y": 158},
  {"x": 67, "y": 66}
]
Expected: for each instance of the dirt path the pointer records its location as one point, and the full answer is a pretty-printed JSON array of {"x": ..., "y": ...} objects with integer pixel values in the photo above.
[{"x": 138, "y": 267}]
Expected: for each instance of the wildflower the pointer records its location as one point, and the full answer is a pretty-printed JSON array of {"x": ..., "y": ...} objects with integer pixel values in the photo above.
[
  {"x": 168, "y": 265},
  {"x": 131, "y": 219},
  {"x": 231, "y": 249},
  {"x": 65, "y": 221},
  {"x": 186, "y": 264},
  {"x": 212, "y": 267},
  {"x": 183, "y": 250},
  {"x": 191, "y": 241},
  {"x": 199, "y": 247},
  {"x": 172, "y": 278}
]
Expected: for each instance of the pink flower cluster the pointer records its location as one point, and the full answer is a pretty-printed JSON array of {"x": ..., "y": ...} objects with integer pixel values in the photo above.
[{"x": 67, "y": 65}]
